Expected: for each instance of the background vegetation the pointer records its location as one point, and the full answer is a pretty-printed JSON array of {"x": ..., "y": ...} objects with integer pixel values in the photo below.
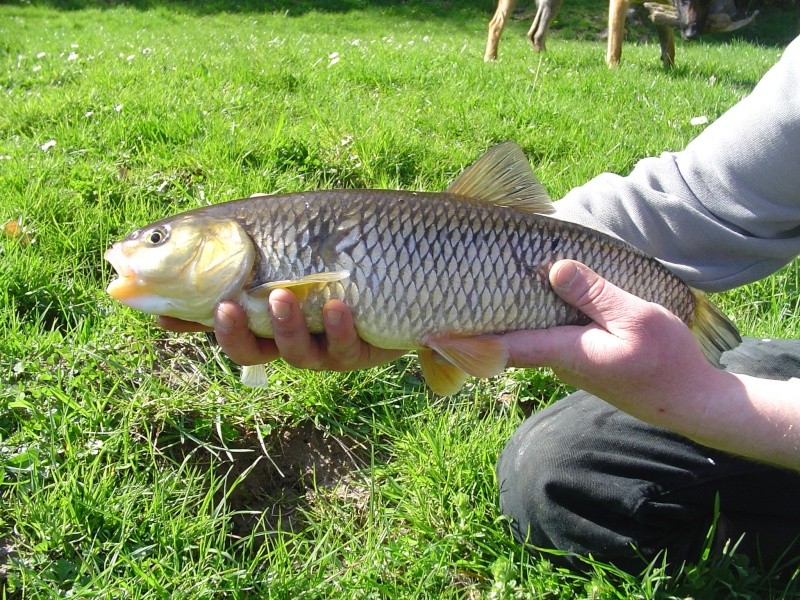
[{"x": 132, "y": 462}]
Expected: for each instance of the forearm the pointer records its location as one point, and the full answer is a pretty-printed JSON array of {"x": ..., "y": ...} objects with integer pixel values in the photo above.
[
  {"x": 748, "y": 416},
  {"x": 725, "y": 211}
]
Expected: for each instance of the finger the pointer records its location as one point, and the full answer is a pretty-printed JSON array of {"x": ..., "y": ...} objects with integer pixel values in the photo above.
[
  {"x": 343, "y": 345},
  {"x": 180, "y": 326},
  {"x": 543, "y": 347},
  {"x": 237, "y": 341},
  {"x": 292, "y": 338}
]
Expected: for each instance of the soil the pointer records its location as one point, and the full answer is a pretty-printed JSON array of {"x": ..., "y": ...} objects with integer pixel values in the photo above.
[
  {"x": 301, "y": 461},
  {"x": 6, "y": 554}
]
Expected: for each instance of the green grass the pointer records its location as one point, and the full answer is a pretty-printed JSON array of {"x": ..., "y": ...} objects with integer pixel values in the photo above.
[{"x": 134, "y": 465}]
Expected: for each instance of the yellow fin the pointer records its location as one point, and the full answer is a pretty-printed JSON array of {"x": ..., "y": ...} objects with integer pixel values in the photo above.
[
  {"x": 714, "y": 331},
  {"x": 481, "y": 356},
  {"x": 300, "y": 287},
  {"x": 254, "y": 376},
  {"x": 503, "y": 177},
  {"x": 442, "y": 377}
]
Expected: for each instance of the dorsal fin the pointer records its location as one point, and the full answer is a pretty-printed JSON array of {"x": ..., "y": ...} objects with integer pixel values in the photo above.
[{"x": 503, "y": 177}]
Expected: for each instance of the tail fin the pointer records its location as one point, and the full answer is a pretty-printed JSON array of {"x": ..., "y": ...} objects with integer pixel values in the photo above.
[{"x": 714, "y": 331}]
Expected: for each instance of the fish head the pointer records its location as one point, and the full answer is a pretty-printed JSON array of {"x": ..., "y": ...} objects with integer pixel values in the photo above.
[{"x": 181, "y": 267}]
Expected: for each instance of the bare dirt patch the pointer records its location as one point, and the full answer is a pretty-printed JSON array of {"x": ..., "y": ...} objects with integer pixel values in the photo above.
[
  {"x": 266, "y": 489},
  {"x": 6, "y": 554}
]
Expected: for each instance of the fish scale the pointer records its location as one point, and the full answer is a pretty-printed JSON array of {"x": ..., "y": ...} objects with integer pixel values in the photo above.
[{"x": 442, "y": 272}]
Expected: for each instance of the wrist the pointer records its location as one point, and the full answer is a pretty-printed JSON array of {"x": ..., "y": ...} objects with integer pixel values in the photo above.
[{"x": 718, "y": 407}]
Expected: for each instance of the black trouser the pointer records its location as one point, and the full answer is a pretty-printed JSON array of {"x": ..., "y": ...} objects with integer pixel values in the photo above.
[{"x": 583, "y": 477}]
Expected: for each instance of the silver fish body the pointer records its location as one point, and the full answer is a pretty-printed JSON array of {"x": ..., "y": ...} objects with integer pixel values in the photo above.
[
  {"x": 437, "y": 272},
  {"x": 430, "y": 263}
]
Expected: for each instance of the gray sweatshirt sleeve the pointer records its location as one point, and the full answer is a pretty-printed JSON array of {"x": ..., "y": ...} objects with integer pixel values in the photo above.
[{"x": 726, "y": 210}]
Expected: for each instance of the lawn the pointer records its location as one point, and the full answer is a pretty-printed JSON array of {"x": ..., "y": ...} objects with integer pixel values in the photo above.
[{"x": 134, "y": 464}]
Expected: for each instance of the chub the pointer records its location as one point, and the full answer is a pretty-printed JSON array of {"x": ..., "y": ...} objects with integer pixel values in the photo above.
[{"x": 439, "y": 273}]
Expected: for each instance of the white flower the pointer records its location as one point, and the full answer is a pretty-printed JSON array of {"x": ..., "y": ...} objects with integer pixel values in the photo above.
[
  {"x": 37, "y": 68},
  {"x": 334, "y": 57},
  {"x": 72, "y": 56},
  {"x": 118, "y": 107},
  {"x": 47, "y": 145},
  {"x": 94, "y": 446},
  {"x": 130, "y": 57}
]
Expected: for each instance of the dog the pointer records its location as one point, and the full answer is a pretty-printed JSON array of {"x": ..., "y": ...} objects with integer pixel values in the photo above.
[{"x": 692, "y": 17}]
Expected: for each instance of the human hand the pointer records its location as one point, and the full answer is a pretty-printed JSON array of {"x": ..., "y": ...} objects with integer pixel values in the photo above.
[
  {"x": 636, "y": 355},
  {"x": 338, "y": 349}
]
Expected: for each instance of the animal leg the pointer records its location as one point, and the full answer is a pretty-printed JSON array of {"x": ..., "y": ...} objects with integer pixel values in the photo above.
[
  {"x": 496, "y": 26},
  {"x": 617, "y": 10},
  {"x": 546, "y": 11},
  {"x": 666, "y": 38}
]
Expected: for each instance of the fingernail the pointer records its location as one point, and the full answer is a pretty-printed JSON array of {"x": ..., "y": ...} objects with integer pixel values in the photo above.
[
  {"x": 280, "y": 310},
  {"x": 333, "y": 316},
  {"x": 224, "y": 321},
  {"x": 565, "y": 273}
]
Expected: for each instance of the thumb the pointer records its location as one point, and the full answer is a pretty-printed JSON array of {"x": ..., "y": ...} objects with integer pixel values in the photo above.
[
  {"x": 601, "y": 301},
  {"x": 611, "y": 309}
]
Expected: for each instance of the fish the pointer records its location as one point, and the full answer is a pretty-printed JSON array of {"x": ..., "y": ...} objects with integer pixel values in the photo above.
[{"x": 439, "y": 273}]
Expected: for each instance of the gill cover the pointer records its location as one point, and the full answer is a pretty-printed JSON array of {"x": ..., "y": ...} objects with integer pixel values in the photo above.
[{"x": 181, "y": 267}]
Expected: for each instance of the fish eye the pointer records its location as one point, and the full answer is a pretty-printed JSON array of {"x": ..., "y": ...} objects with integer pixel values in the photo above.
[{"x": 157, "y": 236}]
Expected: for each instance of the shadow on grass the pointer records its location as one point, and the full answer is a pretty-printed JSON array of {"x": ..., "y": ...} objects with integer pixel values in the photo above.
[
  {"x": 777, "y": 24},
  {"x": 291, "y": 7}
]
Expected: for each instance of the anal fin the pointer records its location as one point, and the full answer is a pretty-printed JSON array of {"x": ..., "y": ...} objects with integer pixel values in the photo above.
[
  {"x": 441, "y": 376},
  {"x": 481, "y": 356},
  {"x": 447, "y": 360}
]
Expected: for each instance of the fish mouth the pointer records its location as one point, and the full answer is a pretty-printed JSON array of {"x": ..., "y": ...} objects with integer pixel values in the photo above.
[{"x": 127, "y": 284}]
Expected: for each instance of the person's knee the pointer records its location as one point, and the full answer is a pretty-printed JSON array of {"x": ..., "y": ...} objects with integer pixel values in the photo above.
[
  {"x": 537, "y": 467},
  {"x": 765, "y": 358},
  {"x": 574, "y": 478}
]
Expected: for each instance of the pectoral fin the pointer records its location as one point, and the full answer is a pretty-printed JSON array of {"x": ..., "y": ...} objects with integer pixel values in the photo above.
[
  {"x": 442, "y": 377},
  {"x": 300, "y": 287}
]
